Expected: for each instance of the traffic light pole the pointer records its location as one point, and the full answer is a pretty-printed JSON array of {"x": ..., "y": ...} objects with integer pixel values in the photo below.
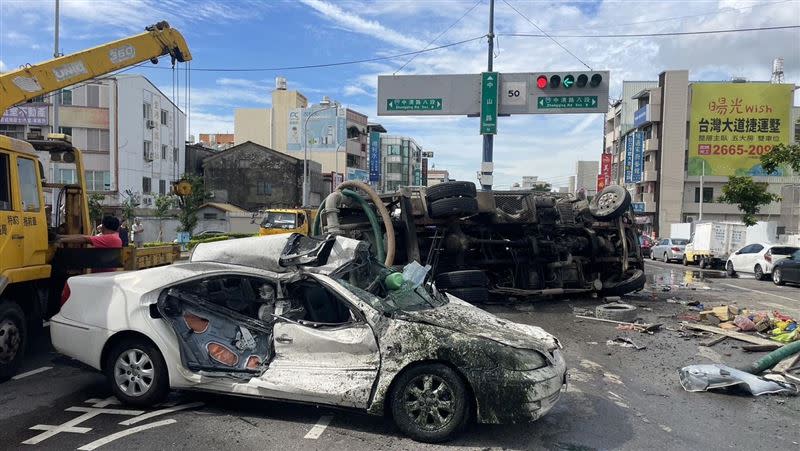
[{"x": 487, "y": 166}]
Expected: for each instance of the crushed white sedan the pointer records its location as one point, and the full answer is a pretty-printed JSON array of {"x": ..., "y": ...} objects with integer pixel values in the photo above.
[{"x": 309, "y": 320}]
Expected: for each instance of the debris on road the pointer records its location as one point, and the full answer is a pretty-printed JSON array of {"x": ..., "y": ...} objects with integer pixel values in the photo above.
[
  {"x": 624, "y": 342},
  {"x": 697, "y": 378},
  {"x": 729, "y": 333},
  {"x": 616, "y": 312},
  {"x": 639, "y": 327}
]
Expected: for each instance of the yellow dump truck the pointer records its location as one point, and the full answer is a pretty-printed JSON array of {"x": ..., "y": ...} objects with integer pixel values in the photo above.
[
  {"x": 287, "y": 220},
  {"x": 33, "y": 268}
]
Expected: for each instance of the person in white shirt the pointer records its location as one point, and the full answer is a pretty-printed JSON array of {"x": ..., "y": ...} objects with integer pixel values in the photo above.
[{"x": 138, "y": 232}]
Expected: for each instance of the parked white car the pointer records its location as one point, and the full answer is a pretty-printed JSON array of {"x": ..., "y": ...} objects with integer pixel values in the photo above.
[
  {"x": 758, "y": 259},
  {"x": 667, "y": 249},
  {"x": 316, "y": 321}
]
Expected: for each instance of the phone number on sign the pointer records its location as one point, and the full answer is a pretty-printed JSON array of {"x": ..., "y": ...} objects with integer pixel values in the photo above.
[{"x": 733, "y": 149}]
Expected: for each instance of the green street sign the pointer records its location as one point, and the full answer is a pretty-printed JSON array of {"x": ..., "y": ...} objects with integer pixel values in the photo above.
[
  {"x": 413, "y": 104},
  {"x": 566, "y": 102},
  {"x": 490, "y": 86}
]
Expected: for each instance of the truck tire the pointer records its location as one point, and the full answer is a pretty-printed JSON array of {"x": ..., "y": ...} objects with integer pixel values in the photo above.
[
  {"x": 466, "y": 278},
  {"x": 633, "y": 283},
  {"x": 616, "y": 312},
  {"x": 13, "y": 338},
  {"x": 610, "y": 203},
  {"x": 453, "y": 206},
  {"x": 473, "y": 295},
  {"x": 685, "y": 260},
  {"x": 450, "y": 189}
]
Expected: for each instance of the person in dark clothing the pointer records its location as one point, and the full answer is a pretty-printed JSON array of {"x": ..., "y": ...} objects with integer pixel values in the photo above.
[{"x": 124, "y": 233}]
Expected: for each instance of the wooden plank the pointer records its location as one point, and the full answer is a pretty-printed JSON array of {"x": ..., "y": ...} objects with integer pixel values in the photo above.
[
  {"x": 760, "y": 348},
  {"x": 729, "y": 333},
  {"x": 713, "y": 341}
]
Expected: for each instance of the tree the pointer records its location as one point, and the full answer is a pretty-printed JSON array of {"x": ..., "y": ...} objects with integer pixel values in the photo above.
[
  {"x": 542, "y": 187},
  {"x": 163, "y": 205},
  {"x": 749, "y": 195},
  {"x": 190, "y": 204},
  {"x": 95, "y": 207},
  {"x": 781, "y": 155},
  {"x": 129, "y": 205}
]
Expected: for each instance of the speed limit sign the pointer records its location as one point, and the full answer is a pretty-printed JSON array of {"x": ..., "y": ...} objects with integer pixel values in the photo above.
[{"x": 513, "y": 93}]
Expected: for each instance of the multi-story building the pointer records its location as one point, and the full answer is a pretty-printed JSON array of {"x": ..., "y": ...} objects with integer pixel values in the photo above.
[
  {"x": 217, "y": 141},
  {"x": 686, "y": 133},
  {"x": 400, "y": 162},
  {"x": 437, "y": 176},
  {"x": 268, "y": 127},
  {"x": 586, "y": 176},
  {"x": 131, "y": 134}
]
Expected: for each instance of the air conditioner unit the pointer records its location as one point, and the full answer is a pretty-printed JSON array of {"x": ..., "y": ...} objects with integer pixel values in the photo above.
[
  {"x": 148, "y": 156},
  {"x": 690, "y": 219},
  {"x": 151, "y": 123}
]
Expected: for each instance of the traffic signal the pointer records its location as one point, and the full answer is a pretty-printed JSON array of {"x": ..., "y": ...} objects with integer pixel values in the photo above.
[{"x": 568, "y": 80}]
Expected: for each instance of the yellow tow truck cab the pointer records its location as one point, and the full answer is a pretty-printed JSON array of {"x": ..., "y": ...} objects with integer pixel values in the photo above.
[{"x": 287, "y": 220}]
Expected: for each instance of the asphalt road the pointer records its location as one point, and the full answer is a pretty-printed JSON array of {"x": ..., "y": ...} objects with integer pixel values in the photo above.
[{"x": 618, "y": 398}]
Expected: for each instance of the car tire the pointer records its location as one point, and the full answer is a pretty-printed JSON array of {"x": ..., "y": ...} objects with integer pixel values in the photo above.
[
  {"x": 13, "y": 338},
  {"x": 466, "y": 278},
  {"x": 616, "y": 312},
  {"x": 777, "y": 277},
  {"x": 450, "y": 189},
  {"x": 137, "y": 372},
  {"x": 473, "y": 295},
  {"x": 610, "y": 203},
  {"x": 703, "y": 263},
  {"x": 729, "y": 270},
  {"x": 685, "y": 260},
  {"x": 758, "y": 272},
  {"x": 410, "y": 407},
  {"x": 665, "y": 259},
  {"x": 453, "y": 207}
]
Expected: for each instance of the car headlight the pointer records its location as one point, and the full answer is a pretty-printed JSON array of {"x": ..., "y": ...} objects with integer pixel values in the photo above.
[{"x": 523, "y": 360}]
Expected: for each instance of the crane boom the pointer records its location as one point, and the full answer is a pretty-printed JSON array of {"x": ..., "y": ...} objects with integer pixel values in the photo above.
[{"x": 31, "y": 81}]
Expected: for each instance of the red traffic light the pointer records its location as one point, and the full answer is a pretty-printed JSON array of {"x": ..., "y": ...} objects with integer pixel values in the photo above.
[{"x": 541, "y": 82}]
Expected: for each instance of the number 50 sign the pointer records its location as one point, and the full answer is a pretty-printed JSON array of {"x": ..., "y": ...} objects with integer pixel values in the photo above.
[{"x": 513, "y": 93}]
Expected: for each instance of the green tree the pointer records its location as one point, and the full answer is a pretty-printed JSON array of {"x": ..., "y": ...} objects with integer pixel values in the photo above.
[
  {"x": 189, "y": 205},
  {"x": 129, "y": 205},
  {"x": 543, "y": 187},
  {"x": 95, "y": 207},
  {"x": 781, "y": 154},
  {"x": 163, "y": 205},
  {"x": 749, "y": 195}
]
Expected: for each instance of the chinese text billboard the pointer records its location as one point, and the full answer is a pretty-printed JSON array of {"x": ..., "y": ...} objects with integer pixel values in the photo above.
[
  {"x": 733, "y": 124},
  {"x": 374, "y": 156},
  {"x": 605, "y": 168},
  {"x": 321, "y": 128}
]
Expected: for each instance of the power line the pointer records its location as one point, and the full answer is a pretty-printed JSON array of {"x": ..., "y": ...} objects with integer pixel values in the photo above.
[
  {"x": 439, "y": 35},
  {"x": 545, "y": 33},
  {"x": 316, "y": 66},
  {"x": 642, "y": 35}
]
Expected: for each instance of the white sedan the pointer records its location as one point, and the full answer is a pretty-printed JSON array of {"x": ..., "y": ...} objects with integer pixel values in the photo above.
[
  {"x": 758, "y": 259},
  {"x": 319, "y": 321},
  {"x": 668, "y": 249}
]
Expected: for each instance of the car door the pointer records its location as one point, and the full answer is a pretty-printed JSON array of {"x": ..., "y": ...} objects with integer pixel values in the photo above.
[
  {"x": 737, "y": 258},
  {"x": 662, "y": 247},
  {"x": 11, "y": 232},
  {"x": 328, "y": 356},
  {"x": 749, "y": 258},
  {"x": 789, "y": 268}
]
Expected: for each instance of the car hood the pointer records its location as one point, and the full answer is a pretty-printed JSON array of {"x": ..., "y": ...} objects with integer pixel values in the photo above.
[{"x": 460, "y": 316}]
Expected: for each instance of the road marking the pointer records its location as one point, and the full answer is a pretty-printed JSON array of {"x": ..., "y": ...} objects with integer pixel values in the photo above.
[
  {"x": 319, "y": 428},
  {"x": 32, "y": 372},
  {"x": 110, "y": 438},
  {"x": 69, "y": 426},
  {"x": 111, "y": 400},
  {"x": 764, "y": 293},
  {"x": 156, "y": 413}
]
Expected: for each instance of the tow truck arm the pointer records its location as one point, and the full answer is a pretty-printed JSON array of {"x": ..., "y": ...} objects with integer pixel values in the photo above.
[{"x": 34, "y": 80}]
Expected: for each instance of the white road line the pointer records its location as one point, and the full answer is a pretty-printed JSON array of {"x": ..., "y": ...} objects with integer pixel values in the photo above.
[
  {"x": 319, "y": 428},
  {"x": 760, "y": 292},
  {"x": 110, "y": 438},
  {"x": 70, "y": 426},
  {"x": 156, "y": 413},
  {"x": 32, "y": 372}
]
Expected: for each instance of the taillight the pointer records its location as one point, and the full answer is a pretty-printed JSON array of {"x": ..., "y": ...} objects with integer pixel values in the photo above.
[
  {"x": 65, "y": 294},
  {"x": 768, "y": 256},
  {"x": 676, "y": 249}
]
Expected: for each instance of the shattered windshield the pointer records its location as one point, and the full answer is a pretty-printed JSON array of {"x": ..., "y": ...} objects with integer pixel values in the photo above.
[{"x": 274, "y": 220}]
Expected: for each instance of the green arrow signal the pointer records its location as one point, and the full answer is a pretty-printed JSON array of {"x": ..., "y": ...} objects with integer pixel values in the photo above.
[{"x": 569, "y": 80}]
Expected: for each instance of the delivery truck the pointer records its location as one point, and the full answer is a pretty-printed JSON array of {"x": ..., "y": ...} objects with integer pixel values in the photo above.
[{"x": 712, "y": 242}]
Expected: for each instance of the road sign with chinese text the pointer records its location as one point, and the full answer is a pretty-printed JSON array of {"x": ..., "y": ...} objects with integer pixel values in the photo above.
[{"x": 489, "y": 88}]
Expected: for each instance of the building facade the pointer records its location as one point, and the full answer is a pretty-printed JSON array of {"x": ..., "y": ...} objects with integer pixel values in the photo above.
[
  {"x": 400, "y": 162},
  {"x": 217, "y": 141},
  {"x": 268, "y": 127},
  {"x": 437, "y": 176},
  {"x": 586, "y": 176}
]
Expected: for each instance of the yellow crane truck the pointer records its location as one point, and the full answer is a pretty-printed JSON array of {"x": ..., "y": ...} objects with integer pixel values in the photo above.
[
  {"x": 287, "y": 220},
  {"x": 33, "y": 268}
]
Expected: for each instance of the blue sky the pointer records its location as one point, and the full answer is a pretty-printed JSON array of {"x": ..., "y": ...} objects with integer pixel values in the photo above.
[{"x": 276, "y": 33}]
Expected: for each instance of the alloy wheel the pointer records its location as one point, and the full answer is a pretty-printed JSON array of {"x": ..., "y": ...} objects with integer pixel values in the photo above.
[
  {"x": 134, "y": 372},
  {"x": 428, "y": 400}
]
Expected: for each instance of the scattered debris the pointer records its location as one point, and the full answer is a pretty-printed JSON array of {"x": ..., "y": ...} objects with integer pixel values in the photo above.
[
  {"x": 697, "y": 378},
  {"x": 616, "y": 312},
  {"x": 625, "y": 342},
  {"x": 639, "y": 327},
  {"x": 718, "y": 339},
  {"x": 728, "y": 333},
  {"x": 760, "y": 348}
]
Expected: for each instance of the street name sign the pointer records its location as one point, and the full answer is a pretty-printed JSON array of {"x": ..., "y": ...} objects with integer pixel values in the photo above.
[
  {"x": 566, "y": 102},
  {"x": 413, "y": 104},
  {"x": 490, "y": 82}
]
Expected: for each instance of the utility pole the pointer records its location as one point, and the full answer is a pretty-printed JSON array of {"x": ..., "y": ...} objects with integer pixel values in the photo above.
[
  {"x": 487, "y": 167},
  {"x": 56, "y": 54},
  {"x": 702, "y": 175}
]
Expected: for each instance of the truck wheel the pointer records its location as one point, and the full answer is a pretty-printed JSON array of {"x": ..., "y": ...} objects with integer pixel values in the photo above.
[
  {"x": 685, "y": 260},
  {"x": 450, "y": 189},
  {"x": 13, "y": 338},
  {"x": 473, "y": 295},
  {"x": 467, "y": 278},
  {"x": 453, "y": 206},
  {"x": 611, "y": 203},
  {"x": 703, "y": 263},
  {"x": 633, "y": 283}
]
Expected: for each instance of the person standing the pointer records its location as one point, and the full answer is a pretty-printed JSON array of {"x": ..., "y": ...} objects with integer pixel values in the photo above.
[
  {"x": 124, "y": 233},
  {"x": 138, "y": 232}
]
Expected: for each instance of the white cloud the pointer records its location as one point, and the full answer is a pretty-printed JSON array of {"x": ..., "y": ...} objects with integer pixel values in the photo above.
[
  {"x": 2, "y": 66},
  {"x": 352, "y": 90}
]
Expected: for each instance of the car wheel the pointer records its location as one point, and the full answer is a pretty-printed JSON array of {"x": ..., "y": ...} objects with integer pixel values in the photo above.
[
  {"x": 616, "y": 312},
  {"x": 665, "y": 259},
  {"x": 429, "y": 403},
  {"x": 466, "y": 278},
  {"x": 453, "y": 206},
  {"x": 610, "y": 203},
  {"x": 759, "y": 273},
  {"x": 473, "y": 295},
  {"x": 729, "y": 269},
  {"x": 777, "y": 277},
  {"x": 13, "y": 338},
  {"x": 685, "y": 260},
  {"x": 137, "y": 372},
  {"x": 450, "y": 189}
]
